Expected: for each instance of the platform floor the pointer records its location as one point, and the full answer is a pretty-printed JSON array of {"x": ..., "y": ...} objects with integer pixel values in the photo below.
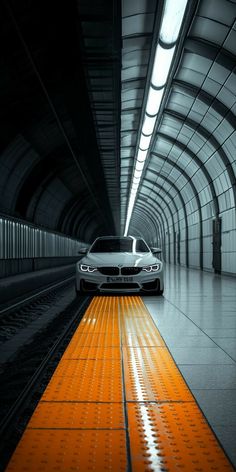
[
  {"x": 117, "y": 400},
  {"x": 197, "y": 319}
]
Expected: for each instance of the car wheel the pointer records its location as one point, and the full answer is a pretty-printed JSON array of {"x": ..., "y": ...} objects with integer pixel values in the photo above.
[
  {"x": 80, "y": 291},
  {"x": 158, "y": 292}
]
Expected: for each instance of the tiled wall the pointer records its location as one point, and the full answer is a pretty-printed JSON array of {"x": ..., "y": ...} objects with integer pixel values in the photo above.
[{"x": 228, "y": 246}]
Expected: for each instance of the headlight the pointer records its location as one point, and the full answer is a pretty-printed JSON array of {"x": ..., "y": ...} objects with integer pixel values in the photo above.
[
  {"x": 87, "y": 268},
  {"x": 152, "y": 268}
]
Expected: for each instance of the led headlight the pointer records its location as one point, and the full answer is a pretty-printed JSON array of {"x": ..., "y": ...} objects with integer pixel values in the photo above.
[
  {"x": 152, "y": 268},
  {"x": 87, "y": 268}
]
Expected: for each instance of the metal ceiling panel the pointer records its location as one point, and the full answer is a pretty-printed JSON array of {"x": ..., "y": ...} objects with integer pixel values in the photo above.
[
  {"x": 96, "y": 77},
  {"x": 137, "y": 29},
  {"x": 100, "y": 24}
]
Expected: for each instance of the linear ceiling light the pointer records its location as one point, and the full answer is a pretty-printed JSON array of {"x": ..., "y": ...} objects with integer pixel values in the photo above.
[
  {"x": 154, "y": 100},
  {"x": 172, "y": 20},
  {"x": 139, "y": 165},
  {"x": 144, "y": 141},
  {"x": 164, "y": 57},
  {"x": 148, "y": 124},
  {"x": 170, "y": 27},
  {"x": 141, "y": 156}
]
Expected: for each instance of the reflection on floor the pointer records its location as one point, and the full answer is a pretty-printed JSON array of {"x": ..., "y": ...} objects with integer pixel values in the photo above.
[
  {"x": 117, "y": 402},
  {"x": 197, "y": 319}
]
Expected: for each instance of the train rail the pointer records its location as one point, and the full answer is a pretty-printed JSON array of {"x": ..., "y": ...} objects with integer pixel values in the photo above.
[
  {"x": 23, "y": 377},
  {"x": 37, "y": 294},
  {"x": 21, "y": 314}
]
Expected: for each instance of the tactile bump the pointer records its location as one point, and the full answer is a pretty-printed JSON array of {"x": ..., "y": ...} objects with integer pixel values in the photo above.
[
  {"x": 174, "y": 436},
  {"x": 63, "y": 451},
  {"x": 78, "y": 415}
]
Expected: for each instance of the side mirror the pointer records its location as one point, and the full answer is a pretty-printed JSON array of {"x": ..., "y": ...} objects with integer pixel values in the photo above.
[
  {"x": 156, "y": 250},
  {"x": 83, "y": 250}
]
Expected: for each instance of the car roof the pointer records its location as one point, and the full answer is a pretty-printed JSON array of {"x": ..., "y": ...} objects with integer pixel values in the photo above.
[{"x": 116, "y": 237}]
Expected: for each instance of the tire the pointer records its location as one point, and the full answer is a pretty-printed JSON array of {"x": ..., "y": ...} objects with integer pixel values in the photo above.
[
  {"x": 79, "y": 292},
  {"x": 158, "y": 292}
]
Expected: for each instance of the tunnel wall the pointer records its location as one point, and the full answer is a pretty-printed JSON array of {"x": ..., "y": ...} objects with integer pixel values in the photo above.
[
  {"x": 228, "y": 243},
  {"x": 10, "y": 267},
  {"x": 27, "y": 248}
]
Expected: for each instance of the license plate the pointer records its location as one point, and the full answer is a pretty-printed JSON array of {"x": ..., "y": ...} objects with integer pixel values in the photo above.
[{"x": 119, "y": 279}]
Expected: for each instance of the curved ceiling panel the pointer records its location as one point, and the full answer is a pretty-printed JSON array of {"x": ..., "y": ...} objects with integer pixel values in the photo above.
[
  {"x": 150, "y": 192},
  {"x": 53, "y": 118},
  {"x": 78, "y": 141},
  {"x": 193, "y": 145}
]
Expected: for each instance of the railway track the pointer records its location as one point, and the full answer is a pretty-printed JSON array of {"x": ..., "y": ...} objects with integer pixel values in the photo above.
[
  {"x": 21, "y": 320},
  {"x": 35, "y": 296},
  {"x": 24, "y": 376}
]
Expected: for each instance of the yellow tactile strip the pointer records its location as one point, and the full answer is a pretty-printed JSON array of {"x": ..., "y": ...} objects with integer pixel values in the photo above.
[
  {"x": 63, "y": 450},
  {"x": 90, "y": 389},
  {"x": 75, "y": 415},
  {"x": 172, "y": 436},
  {"x": 151, "y": 375},
  {"x": 88, "y": 368},
  {"x": 117, "y": 402},
  {"x": 87, "y": 352}
]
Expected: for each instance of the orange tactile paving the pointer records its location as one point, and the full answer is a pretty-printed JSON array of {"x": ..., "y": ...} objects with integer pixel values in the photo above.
[
  {"x": 172, "y": 436},
  {"x": 94, "y": 340},
  {"x": 144, "y": 340},
  {"x": 151, "y": 375},
  {"x": 88, "y": 368},
  {"x": 117, "y": 402},
  {"x": 86, "y": 352},
  {"x": 59, "y": 450},
  {"x": 92, "y": 389},
  {"x": 138, "y": 331},
  {"x": 88, "y": 339},
  {"x": 74, "y": 415}
]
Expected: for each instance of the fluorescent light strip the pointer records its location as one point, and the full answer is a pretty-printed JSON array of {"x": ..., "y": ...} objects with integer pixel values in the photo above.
[
  {"x": 137, "y": 173},
  {"x": 170, "y": 27},
  {"x": 144, "y": 142},
  {"x": 141, "y": 157},
  {"x": 154, "y": 100},
  {"x": 164, "y": 57},
  {"x": 139, "y": 165},
  {"x": 148, "y": 125},
  {"x": 172, "y": 20}
]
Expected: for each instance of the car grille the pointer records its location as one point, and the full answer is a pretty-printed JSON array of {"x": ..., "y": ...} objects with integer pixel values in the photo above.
[
  {"x": 109, "y": 270},
  {"x": 130, "y": 270}
]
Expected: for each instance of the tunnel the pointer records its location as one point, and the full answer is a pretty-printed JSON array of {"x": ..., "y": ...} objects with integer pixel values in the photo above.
[{"x": 118, "y": 120}]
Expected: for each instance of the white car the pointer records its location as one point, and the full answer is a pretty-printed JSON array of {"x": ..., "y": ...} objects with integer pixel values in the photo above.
[{"x": 119, "y": 264}]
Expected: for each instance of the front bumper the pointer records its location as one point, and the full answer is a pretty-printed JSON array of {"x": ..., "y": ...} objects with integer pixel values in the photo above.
[{"x": 97, "y": 282}]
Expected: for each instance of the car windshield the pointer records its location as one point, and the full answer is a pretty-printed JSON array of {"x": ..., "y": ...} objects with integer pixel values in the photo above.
[{"x": 119, "y": 245}]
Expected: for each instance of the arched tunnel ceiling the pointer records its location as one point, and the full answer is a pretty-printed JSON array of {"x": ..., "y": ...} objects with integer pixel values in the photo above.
[{"x": 74, "y": 83}]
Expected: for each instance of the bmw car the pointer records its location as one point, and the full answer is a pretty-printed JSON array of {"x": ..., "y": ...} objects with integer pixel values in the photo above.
[{"x": 119, "y": 264}]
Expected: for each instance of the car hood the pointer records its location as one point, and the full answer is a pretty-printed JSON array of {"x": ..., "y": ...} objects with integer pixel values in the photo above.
[{"x": 119, "y": 259}]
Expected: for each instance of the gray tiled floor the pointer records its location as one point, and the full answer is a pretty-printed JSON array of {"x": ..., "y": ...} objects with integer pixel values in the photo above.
[{"x": 197, "y": 319}]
